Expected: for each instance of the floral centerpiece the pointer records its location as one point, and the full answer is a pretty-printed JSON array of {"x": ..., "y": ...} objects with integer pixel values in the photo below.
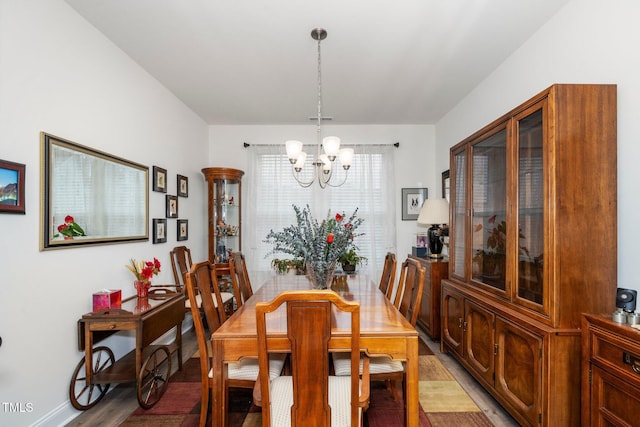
[
  {"x": 143, "y": 271},
  {"x": 69, "y": 229},
  {"x": 319, "y": 243}
]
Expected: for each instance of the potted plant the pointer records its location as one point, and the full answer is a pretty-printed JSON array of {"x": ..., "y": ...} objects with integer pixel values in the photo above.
[
  {"x": 350, "y": 260},
  {"x": 291, "y": 266}
]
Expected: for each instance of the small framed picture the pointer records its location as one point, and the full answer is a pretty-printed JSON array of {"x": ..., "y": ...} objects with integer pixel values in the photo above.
[
  {"x": 412, "y": 200},
  {"x": 11, "y": 187},
  {"x": 159, "y": 230},
  {"x": 183, "y": 229},
  {"x": 172, "y": 206},
  {"x": 159, "y": 179},
  {"x": 183, "y": 186}
]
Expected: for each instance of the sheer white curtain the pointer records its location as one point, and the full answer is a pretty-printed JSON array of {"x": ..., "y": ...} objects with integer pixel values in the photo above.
[{"x": 272, "y": 190}]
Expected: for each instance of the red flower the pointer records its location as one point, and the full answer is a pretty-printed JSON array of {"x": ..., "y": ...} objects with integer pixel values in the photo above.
[
  {"x": 62, "y": 227},
  {"x": 330, "y": 238},
  {"x": 338, "y": 217},
  {"x": 68, "y": 219},
  {"x": 348, "y": 226},
  {"x": 147, "y": 273}
]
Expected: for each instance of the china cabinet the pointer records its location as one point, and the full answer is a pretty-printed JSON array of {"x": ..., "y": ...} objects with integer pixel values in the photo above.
[
  {"x": 533, "y": 245},
  {"x": 224, "y": 187}
]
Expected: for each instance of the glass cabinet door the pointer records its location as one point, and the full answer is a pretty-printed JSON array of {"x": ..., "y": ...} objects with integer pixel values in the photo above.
[
  {"x": 226, "y": 215},
  {"x": 530, "y": 205},
  {"x": 489, "y": 210},
  {"x": 458, "y": 226}
]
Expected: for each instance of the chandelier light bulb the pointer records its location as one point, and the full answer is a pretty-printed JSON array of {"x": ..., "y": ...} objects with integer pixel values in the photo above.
[
  {"x": 331, "y": 146},
  {"x": 294, "y": 148},
  {"x": 346, "y": 157},
  {"x": 299, "y": 162}
]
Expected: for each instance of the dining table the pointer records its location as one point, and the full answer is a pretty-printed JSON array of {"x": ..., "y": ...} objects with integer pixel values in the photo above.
[{"x": 383, "y": 331}]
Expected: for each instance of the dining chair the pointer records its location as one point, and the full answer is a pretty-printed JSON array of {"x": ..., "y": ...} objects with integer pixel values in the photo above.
[
  {"x": 240, "y": 278},
  {"x": 310, "y": 396},
  {"x": 181, "y": 264},
  {"x": 388, "y": 275},
  {"x": 242, "y": 374},
  {"x": 409, "y": 298}
]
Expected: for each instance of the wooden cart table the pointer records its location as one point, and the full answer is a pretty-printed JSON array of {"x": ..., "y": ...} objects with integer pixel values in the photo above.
[{"x": 149, "y": 365}]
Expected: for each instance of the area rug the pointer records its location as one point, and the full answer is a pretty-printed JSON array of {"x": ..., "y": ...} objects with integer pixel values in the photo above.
[{"x": 443, "y": 402}]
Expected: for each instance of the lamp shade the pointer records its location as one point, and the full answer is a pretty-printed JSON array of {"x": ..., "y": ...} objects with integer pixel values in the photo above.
[{"x": 434, "y": 211}]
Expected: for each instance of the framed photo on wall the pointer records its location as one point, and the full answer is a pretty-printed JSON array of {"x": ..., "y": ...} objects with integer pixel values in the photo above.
[
  {"x": 11, "y": 187},
  {"x": 183, "y": 186},
  {"x": 159, "y": 230},
  {"x": 412, "y": 200},
  {"x": 183, "y": 229},
  {"x": 172, "y": 206},
  {"x": 159, "y": 179}
]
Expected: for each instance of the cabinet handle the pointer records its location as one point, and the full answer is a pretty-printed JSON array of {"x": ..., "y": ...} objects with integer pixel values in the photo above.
[
  {"x": 460, "y": 322},
  {"x": 630, "y": 359}
]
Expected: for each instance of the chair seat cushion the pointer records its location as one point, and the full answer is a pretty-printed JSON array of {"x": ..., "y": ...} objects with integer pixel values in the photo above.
[
  {"x": 377, "y": 365},
  {"x": 226, "y": 297},
  {"x": 339, "y": 400},
  {"x": 247, "y": 369}
]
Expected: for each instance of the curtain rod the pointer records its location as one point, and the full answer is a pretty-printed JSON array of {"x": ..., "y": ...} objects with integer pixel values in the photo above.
[{"x": 395, "y": 144}]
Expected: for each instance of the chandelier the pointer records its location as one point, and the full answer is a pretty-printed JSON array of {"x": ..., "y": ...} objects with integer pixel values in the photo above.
[{"x": 323, "y": 163}]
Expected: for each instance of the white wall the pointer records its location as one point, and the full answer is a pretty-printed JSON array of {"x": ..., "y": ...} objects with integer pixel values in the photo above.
[
  {"x": 59, "y": 75},
  {"x": 588, "y": 41},
  {"x": 414, "y": 159}
]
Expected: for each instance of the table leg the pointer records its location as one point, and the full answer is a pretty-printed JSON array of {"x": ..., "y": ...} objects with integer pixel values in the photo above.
[
  {"x": 217, "y": 398},
  {"x": 411, "y": 398}
]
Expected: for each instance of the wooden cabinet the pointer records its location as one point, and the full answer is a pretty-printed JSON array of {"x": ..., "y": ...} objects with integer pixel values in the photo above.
[
  {"x": 522, "y": 249},
  {"x": 429, "y": 318},
  {"x": 610, "y": 372},
  {"x": 224, "y": 190}
]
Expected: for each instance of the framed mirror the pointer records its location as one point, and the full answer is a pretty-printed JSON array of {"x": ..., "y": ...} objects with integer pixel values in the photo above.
[{"x": 90, "y": 197}]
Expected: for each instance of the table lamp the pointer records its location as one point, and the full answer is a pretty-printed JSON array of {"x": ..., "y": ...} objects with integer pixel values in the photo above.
[{"x": 434, "y": 212}]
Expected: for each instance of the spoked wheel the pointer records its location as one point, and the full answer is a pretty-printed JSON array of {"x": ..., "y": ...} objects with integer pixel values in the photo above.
[
  {"x": 153, "y": 378},
  {"x": 82, "y": 395}
]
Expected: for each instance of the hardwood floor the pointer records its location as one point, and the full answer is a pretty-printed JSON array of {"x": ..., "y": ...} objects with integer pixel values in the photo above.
[
  {"x": 119, "y": 403},
  {"x": 491, "y": 408}
]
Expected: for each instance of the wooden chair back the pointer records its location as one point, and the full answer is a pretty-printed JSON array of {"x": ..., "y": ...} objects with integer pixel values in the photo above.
[
  {"x": 180, "y": 264},
  {"x": 388, "y": 275},
  {"x": 309, "y": 318},
  {"x": 199, "y": 272},
  {"x": 410, "y": 286},
  {"x": 240, "y": 278},
  {"x": 206, "y": 286}
]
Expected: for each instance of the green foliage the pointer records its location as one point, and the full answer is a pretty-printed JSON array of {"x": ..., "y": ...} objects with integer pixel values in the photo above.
[
  {"x": 318, "y": 243},
  {"x": 351, "y": 257}
]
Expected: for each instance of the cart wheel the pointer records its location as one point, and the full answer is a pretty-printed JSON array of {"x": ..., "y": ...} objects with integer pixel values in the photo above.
[
  {"x": 153, "y": 378},
  {"x": 82, "y": 395}
]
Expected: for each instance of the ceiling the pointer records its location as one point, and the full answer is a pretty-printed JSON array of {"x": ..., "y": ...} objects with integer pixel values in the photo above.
[{"x": 254, "y": 61}]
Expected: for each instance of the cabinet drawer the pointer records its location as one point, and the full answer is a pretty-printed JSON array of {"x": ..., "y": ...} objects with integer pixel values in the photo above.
[
  {"x": 616, "y": 354},
  {"x": 613, "y": 402}
]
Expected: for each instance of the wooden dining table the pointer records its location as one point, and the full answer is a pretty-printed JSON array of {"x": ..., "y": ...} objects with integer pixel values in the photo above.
[{"x": 383, "y": 331}]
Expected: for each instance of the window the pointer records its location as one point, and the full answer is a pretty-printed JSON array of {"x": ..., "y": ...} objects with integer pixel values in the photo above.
[{"x": 272, "y": 191}]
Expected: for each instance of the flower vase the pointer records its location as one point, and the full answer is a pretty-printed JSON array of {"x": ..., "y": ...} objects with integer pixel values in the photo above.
[
  {"x": 320, "y": 274},
  {"x": 142, "y": 288}
]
